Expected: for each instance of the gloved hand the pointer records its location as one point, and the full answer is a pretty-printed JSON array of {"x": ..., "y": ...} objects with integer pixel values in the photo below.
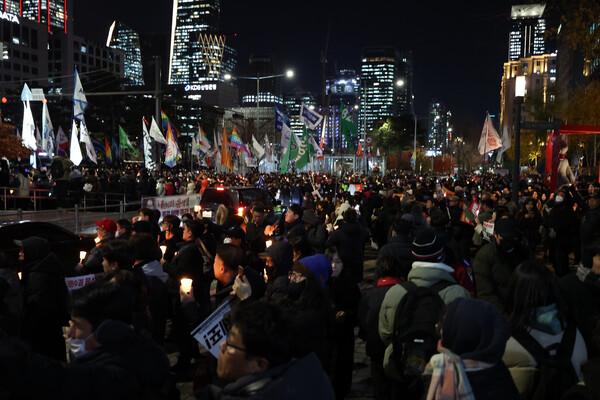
[{"x": 241, "y": 288}]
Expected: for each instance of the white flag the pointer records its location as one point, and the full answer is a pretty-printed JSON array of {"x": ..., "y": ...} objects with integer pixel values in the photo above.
[
  {"x": 310, "y": 118},
  {"x": 202, "y": 140},
  {"x": 75, "y": 155},
  {"x": 490, "y": 140},
  {"x": 155, "y": 132},
  {"x": 79, "y": 100},
  {"x": 268, "y": 148},
  {"x": 149, "y": 162},
  {"x": 38, "y": 139},
  {"x": 318, "y": 151},
  {"x": 47, "y": 131},
  {"x": 62, "y": 141},
  {"x": 378, "y": 153},
  {"x": 505, "y": 144},
  {"x": 87, "y": 140},
  {"x": 28, "y": 133},
  {"x": 257, "y": 147}
]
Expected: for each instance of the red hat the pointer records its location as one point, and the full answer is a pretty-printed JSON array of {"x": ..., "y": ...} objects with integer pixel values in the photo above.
[{"x": 107, "y": 224}]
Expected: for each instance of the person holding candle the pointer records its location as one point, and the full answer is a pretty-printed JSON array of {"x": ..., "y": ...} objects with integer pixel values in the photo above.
[{"x": 92, "y": 264}]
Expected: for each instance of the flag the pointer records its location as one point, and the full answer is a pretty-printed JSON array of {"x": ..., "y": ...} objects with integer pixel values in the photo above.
[
  {"x": 79, "y": 100},
  {"x": 347, "y": 126},
  {"x": 172, "y": 149},
  {"x": 237, "y": 143},
  {"x": 379, "y": 154},
  {"x": 98, "y": 146},
  {"x": 299, "y": 151},
  {"x": 489, "y": 137},
  {"x": 318, "y": 152},
  {"x": 359, "y": 152},
  {"x": 257, "y": 147},
  {"x": 261, "y": 180},
  {"x": 166, "y": 124},
  {"x": 107, "y": 152},
  {"x": 125, "y": 144},
  {"x": 310, "y": 118},
  {"x": 225, "y": 152},
  {"x": 320, "y": 155},
  {"x": 75, "y": 154},
  {"x": 202, "y": 142},
  {"x": 505, "y": 144},
  {"x": 282, "y": 124},
  {"x": 285, "y": 155},
  {"x": 149, "y": 161},
  {"x": 268, "y": 149},
  {"x": 155, "y": 132},
  {"x": 87, "y": 140},
  {"x": 213, "y": 154},
  {"x": 47, "y": 131},
  {"x": 62, "y": 141},
  {"x": 38, "y": 139},
  {"x": 115, "y": 150},
  {"x": 28, "y": 133}
]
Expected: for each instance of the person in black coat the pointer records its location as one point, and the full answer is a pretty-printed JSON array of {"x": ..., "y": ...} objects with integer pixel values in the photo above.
[
  {"x": 562, "y": 222},
  {"x": 400, "y": 245},
  {"x": 45, "y": 298},
  {"x": 279, "y": 259},
  {"x": 349, "y": 238},
  {"x": 108, "y": 359}
]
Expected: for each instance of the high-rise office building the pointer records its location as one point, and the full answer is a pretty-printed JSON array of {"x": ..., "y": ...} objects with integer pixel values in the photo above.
[
  {"x": 55, "y": 14},
  {"x": 198, "y": 51},
  {"x": 404, "y": 90},
  {"x": 439, "y": 129},
  {"x": 527, "y": 31},
  {"x": 292, "y": 103},
  {"x": 380, "y": 84},
  {"x": 120, "y": 36}
]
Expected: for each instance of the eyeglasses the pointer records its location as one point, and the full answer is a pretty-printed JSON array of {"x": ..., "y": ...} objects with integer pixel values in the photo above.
[{"x": 227, "y": 344}]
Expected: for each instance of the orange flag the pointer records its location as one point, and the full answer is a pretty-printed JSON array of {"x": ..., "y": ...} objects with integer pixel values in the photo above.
[
  {"x": 225, "y": 152},
  {"x": 359, "y": 152}
]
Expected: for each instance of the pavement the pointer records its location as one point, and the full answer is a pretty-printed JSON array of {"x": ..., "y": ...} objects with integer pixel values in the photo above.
[{"x": 361, "y": 381}]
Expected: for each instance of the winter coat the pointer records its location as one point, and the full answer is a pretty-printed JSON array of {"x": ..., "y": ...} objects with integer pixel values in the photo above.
[
  {"x": 522, "y": 365},
  {"x": 45, "y": 297},
  {"x": 126, "y": 366},
  {"x": 287, "y": 381},
  {"x": 349, "y": 238},
  {"x": 492, "y": 269},
  {"x": 422, "y": 274}
]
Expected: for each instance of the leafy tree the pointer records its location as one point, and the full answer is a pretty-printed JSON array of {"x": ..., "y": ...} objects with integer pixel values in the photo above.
[{"x": 11, "y": 146}]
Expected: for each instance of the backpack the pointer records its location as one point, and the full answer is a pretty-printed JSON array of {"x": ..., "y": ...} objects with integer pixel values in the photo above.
[
  {"x": 415, "y": 338},
  {"x": 56, "y": 169},
  {"x": 556, "y": 373}
]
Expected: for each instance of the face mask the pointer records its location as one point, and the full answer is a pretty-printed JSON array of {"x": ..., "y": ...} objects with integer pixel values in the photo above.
[
  {"x": 116, "y": 234},
  {"x": 77, "y": 347},
  {"x": 558, "y": 199}
]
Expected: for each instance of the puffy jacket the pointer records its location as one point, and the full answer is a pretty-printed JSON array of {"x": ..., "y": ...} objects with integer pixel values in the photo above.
[
  {"x": 349, "y": 238},
  {"x": 422, "y": 274}
]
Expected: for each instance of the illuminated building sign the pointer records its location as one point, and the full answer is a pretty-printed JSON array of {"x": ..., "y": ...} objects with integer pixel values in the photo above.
[
  {"x": 9, "y": 17},
  {"x": 198, "y": 88}
]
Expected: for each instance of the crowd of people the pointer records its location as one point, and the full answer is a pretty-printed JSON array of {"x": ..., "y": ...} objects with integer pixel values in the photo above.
[{"x": 477, "y": 294}]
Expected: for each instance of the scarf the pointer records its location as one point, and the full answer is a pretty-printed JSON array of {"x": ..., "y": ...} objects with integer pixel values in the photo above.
[{"x": 448, "y": 378}]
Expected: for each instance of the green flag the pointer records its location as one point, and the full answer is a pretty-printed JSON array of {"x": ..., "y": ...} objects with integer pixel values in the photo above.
[
  {"x": 346, "y": 125},
  {"x": 124, "y": 142},
  {"x": 285, "y": 158},
  {"x": 303, "y": 153}
]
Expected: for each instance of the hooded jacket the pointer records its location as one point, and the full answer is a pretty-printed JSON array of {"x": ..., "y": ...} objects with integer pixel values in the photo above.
[
  {"x": 282, "y": 256},
  {"x": 349, "y": 238},
  {"x": 422, "y": 274}
]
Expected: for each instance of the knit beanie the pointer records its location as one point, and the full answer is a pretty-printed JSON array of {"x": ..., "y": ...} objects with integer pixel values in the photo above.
[
  {"x": 427, "y": 247},
  {"x": 320, "y": 266}
]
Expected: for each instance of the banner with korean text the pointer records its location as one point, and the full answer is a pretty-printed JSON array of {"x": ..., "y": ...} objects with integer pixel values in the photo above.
[{"x": 172, "y": 205}]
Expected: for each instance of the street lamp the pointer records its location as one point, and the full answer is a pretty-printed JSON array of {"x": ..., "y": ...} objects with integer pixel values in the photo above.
[
  {"x": 400, "y": 82},
  {"x": 288, "y": 74},
  {"x": 520, "y": 83}
]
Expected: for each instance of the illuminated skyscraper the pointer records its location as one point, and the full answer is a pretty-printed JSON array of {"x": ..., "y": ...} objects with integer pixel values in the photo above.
[
  {"x": 120, "y": 36},
  {"x": 344, "y": 87},
  {"x": 385, "y": 85},
  {"x": 198, "y": 53},
  {"x": 53, "y": 13},
  {"x": 527, "y": 31},
  {"x": 439, "y": 129}
]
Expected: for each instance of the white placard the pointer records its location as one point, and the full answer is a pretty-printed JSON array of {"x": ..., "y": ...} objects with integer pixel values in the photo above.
[
  {"x": 488, "y": 230},
  {"x": 213, "y": 330},
  {"x": 172, "y": 205},
  {"x": 77, "y": 282}
]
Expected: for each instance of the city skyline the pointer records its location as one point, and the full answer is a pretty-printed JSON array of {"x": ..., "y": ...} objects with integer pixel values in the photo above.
[{"x": 458, "y": 49}]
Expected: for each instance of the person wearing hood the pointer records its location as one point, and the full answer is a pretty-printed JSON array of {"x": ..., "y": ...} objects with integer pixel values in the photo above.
[
  {"x": 278, "y": 259},
  {"x": 349, "y": 238},
  {"x": 495, "y": 262},
  {"x": 92, "y": 264},
  {"x": 108, "y": 359},
  {"x": 45, "y": 297},
  {"x": 427, "y": 270},
  {"x": 149, "y": 270},
  {"x": 399, "y": 246},
  {"x": 307, "y": 306},
  {"x": 536, "y": 311},
  {"x": 564, "y": 226},
  {"x": 473, "y": 340}
]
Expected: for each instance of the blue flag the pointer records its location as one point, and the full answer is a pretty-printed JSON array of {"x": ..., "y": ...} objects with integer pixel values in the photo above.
[
  {"x": 280, "y": 119},
  {"x": 260, "y": 181}
]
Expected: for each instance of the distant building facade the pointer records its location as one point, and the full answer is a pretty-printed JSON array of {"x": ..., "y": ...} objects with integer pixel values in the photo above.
[
  {"x": 120, "y": 36},
  {"x": 528, "y": 27},
  {"x": 439, "y": 129}
]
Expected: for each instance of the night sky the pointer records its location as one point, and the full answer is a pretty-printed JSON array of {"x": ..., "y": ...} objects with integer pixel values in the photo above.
[{"x": 458, "y": 47}]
